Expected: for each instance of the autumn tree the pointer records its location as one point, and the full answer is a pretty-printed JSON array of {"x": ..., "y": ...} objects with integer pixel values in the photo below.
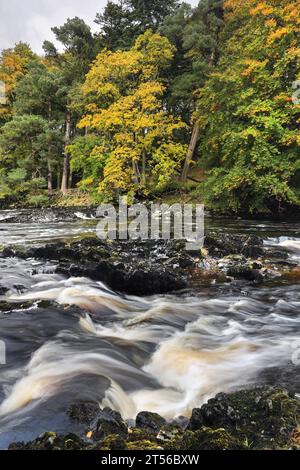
[
  {"x": 13, "y": 66},
  {"x": 126, "y": 109},
  {"x": 249, "y": 122}
]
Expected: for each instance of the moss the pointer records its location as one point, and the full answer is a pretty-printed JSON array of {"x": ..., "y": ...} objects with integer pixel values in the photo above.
[
  {"x": 262, "y": 417},
  {"x": 143, "y": 445},
  {"x": 137, "y": 434},
  {"x": 204, "y": 439},
  {"x": 113, "y": 442},
  {"x": 51, "y": 441}
]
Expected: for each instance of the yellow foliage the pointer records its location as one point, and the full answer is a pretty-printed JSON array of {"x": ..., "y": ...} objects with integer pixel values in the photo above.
[
  {"x": 278, "y": 33},
  {"x": 262, "y": 8},
  {"x": 124, "y": 93},
  {"x": 12, "y": 67},
  {"x": 252, "y": 66}
]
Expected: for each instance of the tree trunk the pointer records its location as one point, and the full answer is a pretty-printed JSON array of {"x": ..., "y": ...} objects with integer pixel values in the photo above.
[
  {"x": 50, "y": 175},
  {"x": 136, "y": 172},
  {"x": 58, "y": 178},
  {"x": 66, "y": 167},
  {"x": 143, "y": 180},
  {"x": 191, "y": 151},
  {"x": 49, "y": 157}
]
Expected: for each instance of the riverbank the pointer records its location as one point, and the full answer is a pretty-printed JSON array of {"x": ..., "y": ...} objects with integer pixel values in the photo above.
[{"x": 257, "y": 419}]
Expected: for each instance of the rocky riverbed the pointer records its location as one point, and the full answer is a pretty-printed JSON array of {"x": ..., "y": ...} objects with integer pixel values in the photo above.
[
  {"x": 262, "y": 418},
  {"x": 143, "y": 345},
  {"x": 148, "y": 267}
]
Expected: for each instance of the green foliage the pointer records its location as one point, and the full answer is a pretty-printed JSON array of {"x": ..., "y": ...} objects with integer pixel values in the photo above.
[
  {"x": 87, "y": 159},
  {"x": 24, "y": 143},
  {"x": 250, "y": 126},
  {"x": 196, "y": 35},
  {"x": 15, "y": 186},
  {"x": 39, "y": 200},
  {"x": 122, "y": 21},
  {"x": 114, "y": 110}
]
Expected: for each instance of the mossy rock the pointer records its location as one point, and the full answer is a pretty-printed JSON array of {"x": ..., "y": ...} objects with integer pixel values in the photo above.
[
  {"x": 204, "y": 439},
  {"x": 144, "y": 445},
  {"x": 151, "y": 421},
  {"x": 261, "y": 417},
  {"x": 113, "y": 442},
  {"x": 51, "y": 441},
  {"x": 110, "y": 422},
  {"x": 137, "y": 434}
]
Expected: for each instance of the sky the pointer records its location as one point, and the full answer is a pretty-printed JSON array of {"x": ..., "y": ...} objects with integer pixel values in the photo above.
[{"x": 31, "y": 20}]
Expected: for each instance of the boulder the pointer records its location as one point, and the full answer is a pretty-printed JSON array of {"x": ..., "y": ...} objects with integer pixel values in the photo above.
[
  {"x": 266, "y": 417},
  {"x": 110, "y": 422},
  {"x": 151, "y": 421}
]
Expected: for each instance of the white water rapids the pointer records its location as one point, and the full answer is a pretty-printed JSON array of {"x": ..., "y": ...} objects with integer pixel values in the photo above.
[{"x": 166, "y": 354}]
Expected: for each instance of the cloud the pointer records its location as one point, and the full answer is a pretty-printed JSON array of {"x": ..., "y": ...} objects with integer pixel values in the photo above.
[{"x": 31, "y": 20}]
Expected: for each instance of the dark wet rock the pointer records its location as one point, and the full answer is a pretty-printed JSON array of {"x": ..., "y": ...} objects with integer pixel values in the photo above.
[
  {"x": 276, "y": 253},
  {"x": 180, "y": 422},
  {"x": 7, "y": 306},
  {"x": 150, "y": 421},
  {"x": 51, "y": 441},
  {"x": 222, "y": 244},
  {"x": 110, "y": 422},
  {"x": 260, "y": 418},
  {"x": 54, "y": 214},
  {"x": 138, "y": 268},
  {"x": 112, "y": 442},
  {"x": 84, "y": 413},
  {"x": 7, "y": 252},
  {"x": 245, "y": 271},
  {"x": 3, "y": 290},
  {"x": 264, "y": 417},
  {"x": 147, "y": 267}
]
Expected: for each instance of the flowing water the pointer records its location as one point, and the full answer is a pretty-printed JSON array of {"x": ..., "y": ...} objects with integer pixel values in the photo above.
[{"x": 166, "y": 354}]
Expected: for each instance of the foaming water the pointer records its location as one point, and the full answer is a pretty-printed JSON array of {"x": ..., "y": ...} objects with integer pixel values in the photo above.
[
  {"x": 290, "y": 244},
  {"x": 166, "y": 354}
]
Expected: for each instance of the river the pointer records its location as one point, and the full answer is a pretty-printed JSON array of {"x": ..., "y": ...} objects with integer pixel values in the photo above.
[{"x": 167, "y": 353}]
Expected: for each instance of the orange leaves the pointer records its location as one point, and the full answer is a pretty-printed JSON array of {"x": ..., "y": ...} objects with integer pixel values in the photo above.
[
  {"x": 278, "y": 34},
  {"x": 262, "y": 8},
  {"x": 271, "y": 23}
]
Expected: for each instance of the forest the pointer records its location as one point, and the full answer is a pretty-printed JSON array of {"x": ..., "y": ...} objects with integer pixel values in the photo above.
[{"x": 164, "y": 99}]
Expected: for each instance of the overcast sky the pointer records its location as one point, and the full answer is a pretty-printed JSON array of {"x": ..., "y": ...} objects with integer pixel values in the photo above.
[{"x": 31, "y": 20}]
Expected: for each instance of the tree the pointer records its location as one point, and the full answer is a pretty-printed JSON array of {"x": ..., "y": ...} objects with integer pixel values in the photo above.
[
  {"x": 115, "y": 26},
  {"x": 37, "y": 93},
  {"x": 124, "y": 20},
  {"x": 13, "y": 66},
  {"x": 196, "y": 34},
  {"x": 50, "y": 50},
  {"x": 126, "y": 110},
  {"x": 80, "y": 49},
  {"x": 24, "y": 144},
  {"x": 78, "y": 41},
  {"x": 249, "y": 123}
]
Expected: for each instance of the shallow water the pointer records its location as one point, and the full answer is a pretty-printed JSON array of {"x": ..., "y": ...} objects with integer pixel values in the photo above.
[{"x": 163, "y": 353}]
